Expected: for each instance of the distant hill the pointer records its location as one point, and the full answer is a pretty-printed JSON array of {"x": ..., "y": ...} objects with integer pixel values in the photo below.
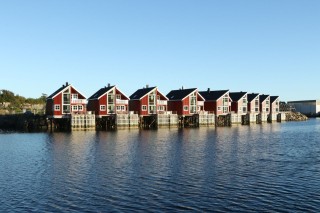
[{"x": 11, "y": 103}]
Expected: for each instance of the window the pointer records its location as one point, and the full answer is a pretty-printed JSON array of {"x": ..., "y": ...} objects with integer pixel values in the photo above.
[
  {"x": 257, "y": 109},
  {"x": 219, "y": 108},
  {"x": 74, "y": 108},
  {"x": 123, "y": 108},
  {"x": 144, "y": 108},
  {"x": 240, "y": 109},
  {"x": 74, "y": 96},
  {"x": 66, "y": 98},
  {"x": 152, "y": 109},
  {"x": 160, "y": 108},
  {"x": 56, "y": 107},
  {"x": 244, "y": 109},
  {"x": 185, "y": 108},
  {"x": 277, "y": 109},
  {"x": 225, "y": 109},
  {"x": 80, "y": 108},
  {"x": 118, "y": 108},
  {"x": 267, "y": 102},
  {"x": 118, "y": 97},
  {"x": 267, "y": 109},
  {"x": 66, "y": 109},
  {"x": 102, "y": 107}
]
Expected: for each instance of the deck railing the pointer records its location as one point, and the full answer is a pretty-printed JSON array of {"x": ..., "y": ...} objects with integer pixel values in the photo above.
[
  {"x": 162, "y": 102},
  {"x": 78, "y": 101},
  {"x": 118, "y": 101}
]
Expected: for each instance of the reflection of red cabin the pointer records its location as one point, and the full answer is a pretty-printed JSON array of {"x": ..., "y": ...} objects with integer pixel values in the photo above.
[
  {"x": 185, "y": 101},
  {"x": 239, "y": 102},
  {"x": 108, "y": 100},
  {"x": 253, "y": 103},
  {"x": 65, "y": 101},
  {"x": 148, "y": 101},
  {"x": 264, "y": 103},
  {"x": 217, "y": 101}
]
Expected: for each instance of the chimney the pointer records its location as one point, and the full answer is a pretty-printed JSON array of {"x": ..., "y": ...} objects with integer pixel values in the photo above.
[
  {"x": 182, "y": 88},
  {"x": 208, "y": 89},
  {"x": 108, "y": 84},
  {"x": 147, "y": 86},
  {"x": 67, "y": 84}
]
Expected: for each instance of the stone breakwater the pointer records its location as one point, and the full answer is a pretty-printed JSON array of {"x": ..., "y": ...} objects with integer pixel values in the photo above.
[{"x": 295, "y": 116}]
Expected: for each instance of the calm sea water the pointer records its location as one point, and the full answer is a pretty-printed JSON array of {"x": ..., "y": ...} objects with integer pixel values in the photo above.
[{"x": 261, "y": 168}]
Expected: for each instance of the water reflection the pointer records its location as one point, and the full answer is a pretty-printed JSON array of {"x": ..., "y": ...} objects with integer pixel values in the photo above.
[{"x": 271, "y": 167}]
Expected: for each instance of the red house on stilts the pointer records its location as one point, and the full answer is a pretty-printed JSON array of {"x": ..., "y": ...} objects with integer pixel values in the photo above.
[{"x": 65, "y": 101}]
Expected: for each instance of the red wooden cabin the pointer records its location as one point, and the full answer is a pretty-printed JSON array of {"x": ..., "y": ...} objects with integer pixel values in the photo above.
[
  {"x": 185, "y": 101},
  {"x": 239, "y": 102},
  {"x": 65, "y": 101},
  {"x": 253, "y": 103},
  {"x": 275, "y": 104},
  {"x": 107, "y": 101},
  {"x": 264, "y": 103},
  {"x": 217, "y": 101},
  {"x": 148, "y": 101}
]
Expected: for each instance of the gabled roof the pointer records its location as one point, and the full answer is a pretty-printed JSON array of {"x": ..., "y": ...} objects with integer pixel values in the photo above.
[
  {"x": 62, "y": 89},
  {"x": 263, "y": 98},
  {"x": 236, "y": 96},
  {"x": 101, "y": 92},
  {"x": 213, "y": 95},
  {"x": 252, "y": 96},
  {"x": 140, "y": 93},
  {"x": 273, "y": 98},
  {"x": 178, "y": 95}
]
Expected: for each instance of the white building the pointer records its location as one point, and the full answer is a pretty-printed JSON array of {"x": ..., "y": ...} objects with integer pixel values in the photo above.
[{"x": 308, "y": 107}]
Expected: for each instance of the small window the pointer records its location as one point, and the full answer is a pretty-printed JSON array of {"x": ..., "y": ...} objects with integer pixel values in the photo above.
[
  {"x": 118, "y": 97},
  {"x": 103, "y": 108},
  {"x": 219, "y": 108},
  {"x": 267, "y": 109},
  {"x": 118, "y": 108},
  {"x": 80, "y": 108},
  {"x": 185, "y": 108},
  {"x": 74, "y": 96},
  {"x": 240, "y": 109},
  {"x": 123, "y": 108},
  {"x": 244, "y": 109},
  {"x": 74, "y": 108},
  {"x": 257, "y": 109},
  {"x": 144, "y": 108},
  {"x": 56, "y": 107}
]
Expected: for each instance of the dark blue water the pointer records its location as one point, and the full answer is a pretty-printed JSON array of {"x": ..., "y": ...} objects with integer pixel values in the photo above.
[{"x": 261, "y": 168}]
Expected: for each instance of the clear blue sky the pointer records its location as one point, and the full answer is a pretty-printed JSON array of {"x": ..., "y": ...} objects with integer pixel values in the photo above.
[{"x": 265, "y": 46}]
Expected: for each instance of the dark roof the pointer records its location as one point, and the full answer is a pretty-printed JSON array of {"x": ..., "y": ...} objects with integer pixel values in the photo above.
[
  {"x": 273, "y": 98},
  {"x": 140, "y": 93},
  {"x": 252, "y": 96},
  {"x": 263, "y": 98},
  {"x": 101, "y": 92},
  {"x": 236, "y": 96},
  {"x": 178, "y": 95},
  {"x": 58, "y": 91},
  {"x": 213, "y": 95}
]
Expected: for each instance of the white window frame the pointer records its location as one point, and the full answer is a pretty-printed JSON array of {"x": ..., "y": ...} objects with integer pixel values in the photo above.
[
  {"x": 74, "y": 108},
  {"x": 144, "y": 108},
  {"x": 219, "y": 108},
  {"x": 185, "y": 108},
  {"x": 103, "y": 108},
  {"x": 74, "y": 96},
  {"x": 80, "y": 108},
  {"x": 118, "y": 97},
  {"x": 57, "y": 107},
  {"x": 123, "y": 108}
]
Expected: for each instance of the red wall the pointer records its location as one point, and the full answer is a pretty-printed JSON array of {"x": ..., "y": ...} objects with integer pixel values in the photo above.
[{"x": 58, "y": 100}]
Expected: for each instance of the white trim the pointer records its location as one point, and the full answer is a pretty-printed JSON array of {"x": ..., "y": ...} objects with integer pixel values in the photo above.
[
  {"x": 67, "y": 87},
  {"x": 219, "y": 108},
  {"x": 144, "y": 108},
  {"x": 222, "y": 96},
  {"x": 103, "y": 106},
  {"x": 121, "y": 93},
  {"x": 163, "y": 95},
  {"x": 147, "y": 93},
  {"x": 189, "y": 94},
  {"x": 56, "y": 106},
  {"x": 74, "y": 108},
  {"x": 80, "y": 108}
]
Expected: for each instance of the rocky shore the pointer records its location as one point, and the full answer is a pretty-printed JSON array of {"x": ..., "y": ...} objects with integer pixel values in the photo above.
[{"x": 295, "y": 116}]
